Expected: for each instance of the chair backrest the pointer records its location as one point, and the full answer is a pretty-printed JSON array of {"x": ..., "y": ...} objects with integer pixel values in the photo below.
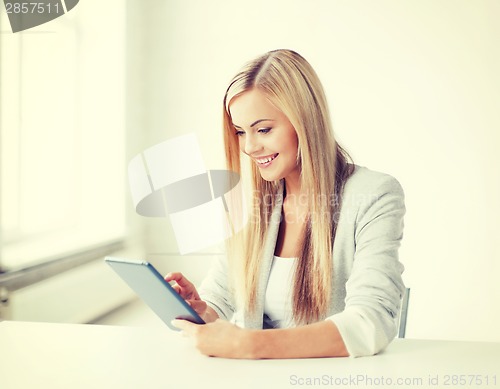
[{"x": 403, "y": 313}]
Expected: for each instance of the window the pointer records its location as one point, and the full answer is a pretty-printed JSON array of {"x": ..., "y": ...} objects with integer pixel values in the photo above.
[{"x": 62, "y": 134}]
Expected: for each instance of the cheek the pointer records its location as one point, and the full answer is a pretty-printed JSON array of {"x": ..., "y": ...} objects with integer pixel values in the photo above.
[
  {"x": 292, "y": 142},
  {"x": 241, "y": 144}
]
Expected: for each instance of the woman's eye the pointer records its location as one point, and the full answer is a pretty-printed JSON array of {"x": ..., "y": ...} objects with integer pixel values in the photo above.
[
  {"x": 239, "y": 133},
  {"x": 264, "y": 130}
]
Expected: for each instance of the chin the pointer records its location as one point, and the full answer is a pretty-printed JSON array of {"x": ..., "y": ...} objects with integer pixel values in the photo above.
[{"x": 270, "y": 177}]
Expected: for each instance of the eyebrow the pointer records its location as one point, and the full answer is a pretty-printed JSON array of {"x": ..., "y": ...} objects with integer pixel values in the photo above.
[{"x": 255, "y": 122}]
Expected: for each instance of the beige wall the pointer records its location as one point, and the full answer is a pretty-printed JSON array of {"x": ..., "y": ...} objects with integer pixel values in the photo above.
[{"x": 414, "y": 90}]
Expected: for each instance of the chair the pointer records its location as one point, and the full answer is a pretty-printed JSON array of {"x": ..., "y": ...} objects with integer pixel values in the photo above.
[{"x": 403, "y": 314}]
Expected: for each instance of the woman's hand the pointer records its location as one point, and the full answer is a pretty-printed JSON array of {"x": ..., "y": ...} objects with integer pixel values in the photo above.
[
  {"x": 188, "y": 292},
  {"x": 218, "y": 339}
]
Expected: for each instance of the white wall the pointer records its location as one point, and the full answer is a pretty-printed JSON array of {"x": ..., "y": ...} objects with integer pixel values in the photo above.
[{"x": 414, "y": 90}]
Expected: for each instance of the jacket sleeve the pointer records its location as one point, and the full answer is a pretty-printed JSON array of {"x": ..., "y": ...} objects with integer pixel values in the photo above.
[
  {"x": 375, "y": 287},
  {"x": 214, "y": 289}
]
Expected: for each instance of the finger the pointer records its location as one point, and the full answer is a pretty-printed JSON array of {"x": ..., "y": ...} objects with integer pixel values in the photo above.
[
  {"x": 177, "y": 288},
  {"x": 174, "y": 276},
  {"x": 179, "y": 278}
]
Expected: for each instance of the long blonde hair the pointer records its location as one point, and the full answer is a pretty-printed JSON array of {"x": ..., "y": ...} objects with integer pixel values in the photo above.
[{"x": 291, "y": 84}]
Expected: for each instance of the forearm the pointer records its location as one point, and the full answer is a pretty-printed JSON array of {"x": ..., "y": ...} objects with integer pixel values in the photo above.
[{"x": 320, "y": 339}]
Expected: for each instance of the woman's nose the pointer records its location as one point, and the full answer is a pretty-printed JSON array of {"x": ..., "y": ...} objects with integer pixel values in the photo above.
[{"x": 251, "y": 145}]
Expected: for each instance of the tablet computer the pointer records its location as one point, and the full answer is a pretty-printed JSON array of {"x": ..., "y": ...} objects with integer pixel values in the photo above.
[{"x": 150, "y": 286}]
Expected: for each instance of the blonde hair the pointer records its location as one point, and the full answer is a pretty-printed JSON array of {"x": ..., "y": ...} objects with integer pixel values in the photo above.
[{"x": 291, "y": 85}]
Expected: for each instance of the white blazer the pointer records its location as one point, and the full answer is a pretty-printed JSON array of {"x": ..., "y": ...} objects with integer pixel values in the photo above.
[{"x": 366, "y": 285}]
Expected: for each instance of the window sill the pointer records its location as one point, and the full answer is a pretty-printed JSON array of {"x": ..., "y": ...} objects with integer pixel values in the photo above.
[{"x": 20, "y": 277}]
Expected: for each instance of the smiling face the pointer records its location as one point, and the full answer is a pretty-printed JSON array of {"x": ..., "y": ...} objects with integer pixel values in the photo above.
[{"x": 265, "y": 135}]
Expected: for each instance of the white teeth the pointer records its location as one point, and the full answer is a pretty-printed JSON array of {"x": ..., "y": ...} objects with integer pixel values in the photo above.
[{"x": 266, "y": 160}]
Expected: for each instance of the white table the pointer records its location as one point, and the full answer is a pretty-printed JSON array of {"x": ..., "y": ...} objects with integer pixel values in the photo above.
[{"x": 43, "y": 355}]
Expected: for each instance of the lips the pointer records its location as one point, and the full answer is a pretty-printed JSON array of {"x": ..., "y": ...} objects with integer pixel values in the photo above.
[{"x": 265, "y": 160}]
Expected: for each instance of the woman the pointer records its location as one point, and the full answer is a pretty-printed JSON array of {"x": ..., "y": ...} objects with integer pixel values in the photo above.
[{"x": 318, "y": 261}]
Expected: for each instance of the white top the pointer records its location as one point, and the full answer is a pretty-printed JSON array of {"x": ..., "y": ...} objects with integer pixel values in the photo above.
[{"x": 278, "y": 299}]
